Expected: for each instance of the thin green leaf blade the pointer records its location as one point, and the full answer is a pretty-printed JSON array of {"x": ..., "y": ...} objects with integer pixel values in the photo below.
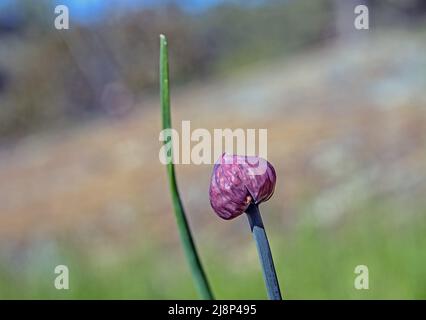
[{"x": 183, "y": 226}]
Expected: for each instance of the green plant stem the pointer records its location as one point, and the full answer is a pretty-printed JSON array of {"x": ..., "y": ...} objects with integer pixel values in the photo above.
[
  {"x": 264, "y": 251},
  {"x": 183, "y": 226}
]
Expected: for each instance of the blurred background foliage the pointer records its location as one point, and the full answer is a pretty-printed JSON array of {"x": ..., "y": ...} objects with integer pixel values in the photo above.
[
  {"x": 49, "y": 77},
  {"x": 80, "y": 179},
  {"x": 59, "y": 77}
]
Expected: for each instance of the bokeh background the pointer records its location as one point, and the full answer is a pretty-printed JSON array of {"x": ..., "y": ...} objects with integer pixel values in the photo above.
[{"x": 80, "y": 179}]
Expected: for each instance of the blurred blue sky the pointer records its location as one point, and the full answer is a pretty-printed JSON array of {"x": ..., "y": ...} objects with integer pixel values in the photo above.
[
  {"x": 88, "y": 11},
  {"x": 84, "y": 8},
  {"x": 93, "y": 10}
]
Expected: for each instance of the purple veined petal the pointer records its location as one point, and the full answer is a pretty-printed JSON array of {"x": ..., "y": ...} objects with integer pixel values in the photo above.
[{"x": 236, "y": 182}]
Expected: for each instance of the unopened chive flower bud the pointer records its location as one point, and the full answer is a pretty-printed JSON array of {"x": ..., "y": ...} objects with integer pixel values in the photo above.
[
  {"x": 238, "y": 185},
  {"x": 238, "y": 181}
]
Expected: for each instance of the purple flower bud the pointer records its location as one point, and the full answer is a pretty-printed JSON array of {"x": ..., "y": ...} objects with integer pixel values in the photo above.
[{"x": 238, "y": 181}]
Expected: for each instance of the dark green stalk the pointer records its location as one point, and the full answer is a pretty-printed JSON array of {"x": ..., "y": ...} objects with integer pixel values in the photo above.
[
  {"x": 264, "y": 251},
  {"x": 184, "y": 230}
]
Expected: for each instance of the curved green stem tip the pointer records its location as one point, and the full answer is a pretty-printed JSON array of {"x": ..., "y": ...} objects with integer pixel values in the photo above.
[{"x": 182, "y": 223}]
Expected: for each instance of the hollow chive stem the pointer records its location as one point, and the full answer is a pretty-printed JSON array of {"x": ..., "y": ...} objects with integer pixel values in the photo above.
[
  {"x": 182, "y": 223},
  {"x": 264, "y": 251}
]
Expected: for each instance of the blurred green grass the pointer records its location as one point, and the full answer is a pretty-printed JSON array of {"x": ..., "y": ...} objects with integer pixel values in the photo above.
[{"x": 313, "y": 262}]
